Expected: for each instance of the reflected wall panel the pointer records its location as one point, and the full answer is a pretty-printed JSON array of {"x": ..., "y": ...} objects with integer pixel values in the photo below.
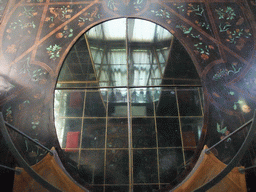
[
  {"x": 73, "y": 104},
  {"x": 72, "y": 131}
]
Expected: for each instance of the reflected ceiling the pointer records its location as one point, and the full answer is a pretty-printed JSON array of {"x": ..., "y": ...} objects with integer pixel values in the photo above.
[
  {"x": 121, "y": 53},
  {"x": 123, "y": 45}
]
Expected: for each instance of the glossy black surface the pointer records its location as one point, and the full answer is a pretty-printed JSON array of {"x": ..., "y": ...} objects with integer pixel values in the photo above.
[{"x": 36, "y": 37}]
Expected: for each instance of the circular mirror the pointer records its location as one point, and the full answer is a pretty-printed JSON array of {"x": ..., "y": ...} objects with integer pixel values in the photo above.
[{"x": 128, "y": 106}]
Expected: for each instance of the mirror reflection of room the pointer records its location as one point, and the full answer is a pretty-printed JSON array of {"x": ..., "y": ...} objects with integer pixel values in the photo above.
[{"x": 128, "y": 106}]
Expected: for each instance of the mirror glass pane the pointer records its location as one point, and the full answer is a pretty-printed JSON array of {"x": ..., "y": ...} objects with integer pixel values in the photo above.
[{"x": 128, "y": 106}]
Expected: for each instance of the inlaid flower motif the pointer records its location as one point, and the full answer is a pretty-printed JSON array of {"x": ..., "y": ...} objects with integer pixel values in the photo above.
[
  {"x": 246, "y": 108},
  {"x": 204, "y": 56},
  {"x": 53, "y": 51},
  {"x": 11, "y": 49}
]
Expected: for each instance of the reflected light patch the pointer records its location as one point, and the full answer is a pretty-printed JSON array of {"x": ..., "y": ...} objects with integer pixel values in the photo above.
[{"x": 246, "y": 108}]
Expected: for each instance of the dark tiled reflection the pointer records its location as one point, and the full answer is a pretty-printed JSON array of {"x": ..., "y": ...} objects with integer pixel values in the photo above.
[
  {"x": 189, "y": 103},
  {"x": 145, "y": 188},
  {"x": 91, "y": 167},
  {"x": 117, "y": 189},
  {"x": 98, "y": 189},
  {"x": 117, "y": 136},
  {"x": 168, "y": 132},
  {"x": 169, "y": 161},
  {"x": 145, "y": 166},
  {"x": 188, "y": 154},
  {"x": 143, "y": 132},
  {"x": 94, "y": 133},
  {"x": 94, "y": 105},
  {"x": 167, "y": 105},
  {"x": 117, "y": 167},
  {"x": 191, "y": 130}
]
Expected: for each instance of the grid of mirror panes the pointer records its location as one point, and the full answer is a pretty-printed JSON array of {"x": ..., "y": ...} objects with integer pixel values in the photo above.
[
  {"x": 164, "y": 134},
  {"x": 130, "y": 116}
]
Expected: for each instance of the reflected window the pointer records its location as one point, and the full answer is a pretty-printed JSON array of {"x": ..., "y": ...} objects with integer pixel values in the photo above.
[{"x": 128, "y": 106}]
